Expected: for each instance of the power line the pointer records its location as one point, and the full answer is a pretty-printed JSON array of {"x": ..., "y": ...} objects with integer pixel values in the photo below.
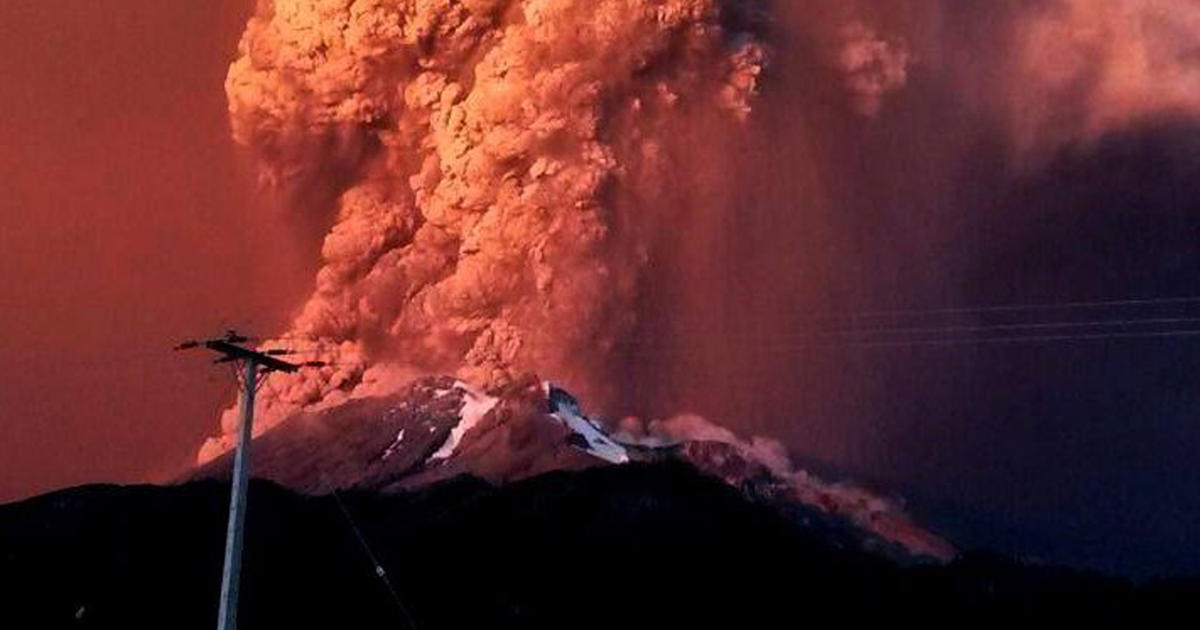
[
  {"x": 1017, "y": 327},
  {"x": 685, "y": 352},
  {"x": 1016, "y": 307},
  {"x": 1027, "y": 339},
  {"x": 379, "y": 571}
]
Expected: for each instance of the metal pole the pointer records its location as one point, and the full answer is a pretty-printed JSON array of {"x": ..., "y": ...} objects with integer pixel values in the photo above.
[{"x": 231, "y": 574}]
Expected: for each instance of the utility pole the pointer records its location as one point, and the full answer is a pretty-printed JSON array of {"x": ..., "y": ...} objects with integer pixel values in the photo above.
[{"x": 252, "y": 362}]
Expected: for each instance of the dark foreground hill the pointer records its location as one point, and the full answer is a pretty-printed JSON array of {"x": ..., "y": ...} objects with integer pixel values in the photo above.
[{"x": 657, "y": 545}]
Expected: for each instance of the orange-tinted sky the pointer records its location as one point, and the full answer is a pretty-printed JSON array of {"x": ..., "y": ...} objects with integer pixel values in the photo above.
[{"x": 127, "y": 220}]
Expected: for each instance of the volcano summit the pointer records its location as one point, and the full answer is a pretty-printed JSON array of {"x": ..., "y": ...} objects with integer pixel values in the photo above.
[{"x": 437, "y": 429}]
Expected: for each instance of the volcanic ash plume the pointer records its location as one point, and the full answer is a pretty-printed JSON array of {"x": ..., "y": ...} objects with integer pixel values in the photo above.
[
  {"x": 495, "y": 165},
  {"x": 1087, "y": 67},
  {"x": 873, "y": 66}
]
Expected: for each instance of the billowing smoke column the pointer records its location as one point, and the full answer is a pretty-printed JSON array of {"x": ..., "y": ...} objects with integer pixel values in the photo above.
[
  {"x": 513, "y": 179},
  {"x": 495, "y": 165},
  {"x": 873, "y": 66}
]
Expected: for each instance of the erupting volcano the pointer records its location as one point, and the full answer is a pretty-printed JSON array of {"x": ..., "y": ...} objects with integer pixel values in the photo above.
[
  {"x": 496, "y": 167},
  {"x": 499, "y": 173},
  {"x": 505, "y": 182},
  {"x": 526, "y": 190},
  {"x": 626, "y": 313}
]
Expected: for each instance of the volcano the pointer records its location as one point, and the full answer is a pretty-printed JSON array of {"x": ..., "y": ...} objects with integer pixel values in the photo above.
[
  {"x": 440, "y": 428},
  {"x": 443, "y": 506},
  {"x": 448, "y": 507}
]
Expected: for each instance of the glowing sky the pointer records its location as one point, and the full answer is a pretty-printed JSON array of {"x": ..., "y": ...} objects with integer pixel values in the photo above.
[
  {"x": 902, "y": 154},
  {"x": 122, "y": 227}
]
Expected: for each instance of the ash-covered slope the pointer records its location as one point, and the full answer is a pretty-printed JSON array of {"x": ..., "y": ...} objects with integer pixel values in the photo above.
[{"x": 440, "y": 428}]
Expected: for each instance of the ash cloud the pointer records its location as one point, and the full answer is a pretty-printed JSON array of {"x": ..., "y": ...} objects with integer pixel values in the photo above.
[
  {"x": 623, "y": 196},
  {"x": 1081, "y": 69},
  {"x": 873, "y": 66},
  {"x": 485, "y": 225}
]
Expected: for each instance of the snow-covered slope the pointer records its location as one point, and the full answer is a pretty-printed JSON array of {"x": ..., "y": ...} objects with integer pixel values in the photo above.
[
  {"x": 475, "y": 406},
  {"x": 585, "y": 434}
]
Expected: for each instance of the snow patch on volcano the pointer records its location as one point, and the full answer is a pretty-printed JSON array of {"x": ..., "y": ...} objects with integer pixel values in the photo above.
[
  {"x": 395, "y": 445},
  {"x": 476, "y": 405},
  {"x": 592, "y": 439}
]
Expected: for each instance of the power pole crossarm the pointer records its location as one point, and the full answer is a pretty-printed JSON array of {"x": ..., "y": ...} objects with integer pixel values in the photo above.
[{"x": 237, "y": 352}]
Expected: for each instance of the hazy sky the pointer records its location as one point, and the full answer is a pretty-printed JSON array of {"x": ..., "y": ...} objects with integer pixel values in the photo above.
[{"x": 126, "y": 222}]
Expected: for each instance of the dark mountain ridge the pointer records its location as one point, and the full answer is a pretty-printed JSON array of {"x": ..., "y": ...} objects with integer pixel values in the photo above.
[
  {"x": 644, "y": 545},
  {"x": 514, "y": 509}
]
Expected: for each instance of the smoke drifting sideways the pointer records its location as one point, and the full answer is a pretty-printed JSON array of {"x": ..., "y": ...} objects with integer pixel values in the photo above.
[
  {"x": 883, "y": 131},
  {"x": 597, "y": 191}
]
